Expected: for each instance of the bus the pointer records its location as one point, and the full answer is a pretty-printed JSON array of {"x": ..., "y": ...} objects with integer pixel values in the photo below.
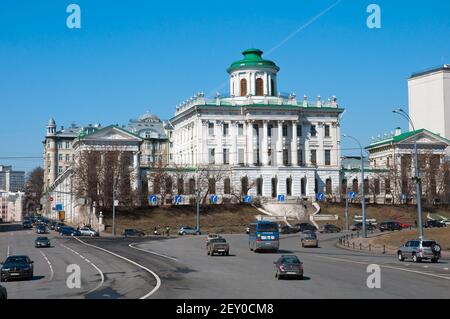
[{"x": 264, "y": 235}]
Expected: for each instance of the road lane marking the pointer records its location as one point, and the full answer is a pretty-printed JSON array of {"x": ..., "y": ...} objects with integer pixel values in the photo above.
[
  {"x": 158, "y": 280},
  {"x": 445, "y": 268},
  {"x": 102, "y": 281},
  {"x": 7, "y": 253},
  {"x": 52, "y": 273},
  {"x": 152, "y": 252},
  {"x": 385, "y": 266},
  {"x": 425, "y": 266}
]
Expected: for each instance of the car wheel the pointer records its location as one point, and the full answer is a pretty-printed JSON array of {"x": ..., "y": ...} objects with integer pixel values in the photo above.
[
  {"x": 184, "y": 234},
  {"x": 227, "y": 253},
  {"x": 300, "y": 277},
  {"x": 415, "y": 258},
  {"x": 400, "y": 256},
  {"x": 434, "y": 260}
]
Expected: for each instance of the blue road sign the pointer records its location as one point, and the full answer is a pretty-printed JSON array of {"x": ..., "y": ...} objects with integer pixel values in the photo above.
[
  {"x": 281, "y": 198},
  {"x": 352, "y": 195},
  {"x": 248, "y": 199},
  {"x": 320, "y": 196},
  {"x": 213, "y": 199},
  {"x": 58, "y": 207},
  {"x": 153, "y": 199},
  {"x": 178, "y": 199}
]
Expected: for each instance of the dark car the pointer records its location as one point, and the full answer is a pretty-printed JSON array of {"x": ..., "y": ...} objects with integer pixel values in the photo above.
[
  {"x": 69, "y": 231},
  {"x": 390, "y": 226},
  {"x": 27, "y": 225},
  {"x": 305, "y": 226},
  {"x": 41, "y": 229},
  {"x": 133, "y": 233},
  {"x": 329, "y": 228},
  {"x": 58, "y": 226},
  {"x": 42, "y": 242},
  {"x": 434, "y": 224},
  {"x": 52, "y": 225},
  {"x": 288, "y": 266},
  {"x": 289, "y": 230},
  {"x": 17, "y": 267},
  {"x": 358, "y": 226}
]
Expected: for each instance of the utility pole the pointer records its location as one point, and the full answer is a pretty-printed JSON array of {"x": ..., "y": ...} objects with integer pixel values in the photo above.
[
  {"x": 197, "y": 194},
  {"x": 114, "y": 208}
]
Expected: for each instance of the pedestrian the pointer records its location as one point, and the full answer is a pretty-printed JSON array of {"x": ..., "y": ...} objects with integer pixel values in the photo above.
[
  {"x": 155, "y": 232},
  {"x": 168, "y": 231}
]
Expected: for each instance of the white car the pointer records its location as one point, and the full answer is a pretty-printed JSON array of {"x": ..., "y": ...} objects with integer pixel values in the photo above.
[{"x": 86, "y": 231}]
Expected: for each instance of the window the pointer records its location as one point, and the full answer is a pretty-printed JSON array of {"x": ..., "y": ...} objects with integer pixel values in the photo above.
[
  {"x": 243, "y": 87},
  {"x": 374, "y": 163},
  {"x": 67, "y": 158},
  {"x": 211, "y": 129},
  {"x": 226, "y": 156},
  {"x": 259, "y": 87},
  {"x": 376, "y": 186},
  {"x": 285, "y": 157},
  {"x": 387, "y": 186},
  {"x": 299, "y": 130},
  {"x": 344, "y": 186},
  {"x": 227, "y": 186},
  {"x": 300, "y": 157},
  {"x": 327, "y": 130},
  {"x": 60, "y": 169},
  {"x": 191, "y": 186},
  {"x": 272, "y": 86},
  {"x": 313, "y": 157},
  {"x": 59, "y": 145},
  {"x": 289, "y": 186},
  {"x": 387, "y": 162},
  {"x": 240, "y": 129},
  {"x": 180, "y": 186},
  {"x": 303, "y": 186},
  {"x": 313, "y": 130},
  {"x": 355, "y": 186},
  {"x": 226, "y": 129},
  {"x": 269, "y": 130},
  {"x": 212, "y": 186},
  {"x": 328, "y": 186},
  {"x": 60, "y": 157},
  {"x": 212, "y": 156},
  {"x": 241, "y": 156},
  {"x": 285, "y": 131},
  {"x": 67, "y": 145},
  {"x": 259, "y": 186},
  {"x": 327, "y": 157},
  {"x": 244, "y": 186},
  {"x": 366, "y": 186}
]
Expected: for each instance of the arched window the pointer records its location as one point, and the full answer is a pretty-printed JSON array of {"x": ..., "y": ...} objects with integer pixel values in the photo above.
[
  {"x": 243, "y": 87},
  {"x": 274, "y": 187},
  {"x": 289, "y": 186},
  {"x": 355, "y": 186},
  {"x": 212, "y": 186},
  {"x": 259, "y": 186},
  {"x": 180, "y": 186},
  {"x": 244, "y": 186},
  {"x": 328, "y": 186},
  {"x": 227, "y": 186},
  {"x": 344, "y": 186},
  {"x": 259, "y": 87},
  {"x": 272, "y": 86}
]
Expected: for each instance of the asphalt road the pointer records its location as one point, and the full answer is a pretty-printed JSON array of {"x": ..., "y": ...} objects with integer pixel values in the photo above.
[{"x": 180, "y": 268}]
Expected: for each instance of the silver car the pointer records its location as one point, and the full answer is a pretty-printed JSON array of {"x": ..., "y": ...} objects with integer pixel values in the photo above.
[
  {"x": 87, "y": 231},
  {"x": 418, "y": 250},
  {"x": 188, "y": 231}
]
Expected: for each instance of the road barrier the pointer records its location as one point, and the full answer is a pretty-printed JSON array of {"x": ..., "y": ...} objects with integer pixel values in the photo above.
[{"x": 347, "y": 241}]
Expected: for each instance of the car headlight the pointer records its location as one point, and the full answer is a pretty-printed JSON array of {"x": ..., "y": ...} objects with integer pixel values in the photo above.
[{"x": 5, "y": 269}]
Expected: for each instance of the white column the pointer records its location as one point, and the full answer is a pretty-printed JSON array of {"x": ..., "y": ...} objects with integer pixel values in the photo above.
[
  {"x": 266, "y": 84},
  {"x": 294, "y": 151},
  {"x": 219, "y": 137},
  {"x": 250, "y": 157},
  {"x": 137, "y": 177},
  {"x": 280, "y": 144},
  {"x": 264, "y": 145},
  {"x": 233, "y": 148},
  {"x": 306, "y": 151}
]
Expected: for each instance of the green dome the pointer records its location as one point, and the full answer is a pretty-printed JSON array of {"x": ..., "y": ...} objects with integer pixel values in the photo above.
[{"x": 252, "y": 58}]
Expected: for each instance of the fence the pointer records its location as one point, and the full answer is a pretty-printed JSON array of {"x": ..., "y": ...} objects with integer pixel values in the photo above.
[{"x": 347, "y": 241}]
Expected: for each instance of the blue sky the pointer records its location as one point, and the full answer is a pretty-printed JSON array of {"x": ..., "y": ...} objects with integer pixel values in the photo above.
[{"x": 134, "y": 56}]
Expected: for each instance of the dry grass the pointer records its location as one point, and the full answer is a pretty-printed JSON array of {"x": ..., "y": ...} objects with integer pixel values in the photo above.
[
  {"x": 213, "y": 219},
  {"x": 395, "y": 239}
]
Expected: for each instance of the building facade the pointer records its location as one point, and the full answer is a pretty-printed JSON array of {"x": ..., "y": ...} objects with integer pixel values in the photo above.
[
  {"x": 11, "y": 206},
  {"x": 10, "y": 180},
  {"x": 260, "y": 135}
]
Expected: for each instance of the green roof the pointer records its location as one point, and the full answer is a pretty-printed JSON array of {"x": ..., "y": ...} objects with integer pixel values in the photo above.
[
  {"x": 252, "y": 58},
  {"x": 401, "y": 137}
]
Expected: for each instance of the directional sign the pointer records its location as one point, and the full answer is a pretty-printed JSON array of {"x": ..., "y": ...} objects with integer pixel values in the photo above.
[
  {"x": 320, "y": 196},
  {"x": 58, "y": 207},
  {"x": 281, "y": 198},
  {"x": 213, "y": 199},
  {"x": 352, "y": 195},
  {"x": 248, "y": 199},
  {"x": 153, "y": 199},
  {"x": 178, "y": 199}
]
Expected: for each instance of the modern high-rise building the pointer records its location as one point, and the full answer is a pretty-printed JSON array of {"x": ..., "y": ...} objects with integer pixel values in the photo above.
[{"x": 10, "y": 180}]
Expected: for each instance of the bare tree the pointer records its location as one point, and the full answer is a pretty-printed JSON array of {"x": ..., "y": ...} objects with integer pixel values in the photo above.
[
  {"x": 34, "y": 189},
  {"x": 208, "y": 176}
]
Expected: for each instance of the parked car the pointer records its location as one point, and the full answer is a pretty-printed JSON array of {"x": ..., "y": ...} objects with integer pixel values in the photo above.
[
  {"x": 418, "y": 250},
  {"x": 218, "y": 246},
  {"x": 289, "y": 230},
  {"x": 133, "y": 233},
  {"x": 329, "y": 228},
  {"x": 3, "y": 293},
  {"x": 305, "y": 226},
  {"x": 358, "y": 226},
  {"x": 390, "y": 226},
  {"x": 404, "y": 225},
  {"x": 27, "y": 225},
  {"x": 185, "y": 230},
  {"x": 88, "y": 231},
  {"x": 434, "y": 224},
  {"x": 58, "y": 226},
  {"x": 17, "y": 267},
  {"x": 309, "y": 240},
  {"x": 42, "y": 242},
  {"x": 288, "y": 266},
  {"x": 41, "y": 229},
  {"x": 69, "y": 231}
]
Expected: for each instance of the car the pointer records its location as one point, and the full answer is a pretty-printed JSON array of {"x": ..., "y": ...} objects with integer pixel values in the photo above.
[
  {"x": 218, "y": 245},
  {"x": 247, "y": 230},
  {"x": 27, "y": 225},
  {"x": 186, "y": 230},
  {"x": 390, "y": 226},
  {"x": 358, "y": 226},
  {"x": 288, "y": 266},
  {"x": 17, "y": 267},
  {"x": 42, "y": 242},
  {"x": 289, "y": 230},
  {"x": 59, "y": 225},
  {"x": 3, "y": 293},
  {"x": 210, "y": 237},
  {"x": 68, "y": 231},
  {"x": 404, "y": 225},
  {"x": 434, "y": 224},
  {"x": 133, "y": 233},
  {"x": 420, "y": 249},
  {"x": 329, "y": 228},
  {"x": 41, "y": 229},
  {"x": 52, "y": 224},
  {"x": 88, "y": 231},
  {"x": 309, "y": 239},
  {"x": 305, "y": 226}
]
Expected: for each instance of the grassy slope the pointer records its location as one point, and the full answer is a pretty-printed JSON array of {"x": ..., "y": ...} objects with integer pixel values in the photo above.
[{"x": 441, "y": 235}]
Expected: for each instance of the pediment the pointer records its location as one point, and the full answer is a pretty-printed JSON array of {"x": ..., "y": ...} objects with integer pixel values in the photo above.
[
  {"x": 426, "y": 137},
  {"x": 113, "y": 133}
]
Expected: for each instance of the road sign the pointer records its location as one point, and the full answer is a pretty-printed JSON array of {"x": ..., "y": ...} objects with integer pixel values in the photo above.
[
  {"x": 153, "y": 199},
  {"x": 213, "y": 199},
  {"x": 51, "y": 198},
  {"x": 62, "y": 215},
  {"x": 58, "y": 207},
  {"x": 178, "y": 199},
  {"x": 281, "y": 198},
  {"x": 320, "y": 196},
  {"x": 116, "y": 203},
  {"x": 352, "y": 195},
  {"x": 248, "y": 199}
]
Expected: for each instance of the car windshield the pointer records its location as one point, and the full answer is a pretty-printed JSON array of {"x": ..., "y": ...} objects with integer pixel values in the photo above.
[
  {"x": 42, "y": 238},
  {"x": 16, "y": 259},
  {"x": 267, "y": 227},
  {"x": 310, "y": 236},
  {"x": 290, "y": 260},
  {"x": 428, "y": 243},
  {"x": 219, "y": 240}
]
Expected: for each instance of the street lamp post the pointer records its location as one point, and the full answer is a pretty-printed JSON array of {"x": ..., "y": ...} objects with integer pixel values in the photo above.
[
  {"x": 363, "y": 198},
  {"x": 197, "y": 195},
  {"x": 417, "y": 173}
]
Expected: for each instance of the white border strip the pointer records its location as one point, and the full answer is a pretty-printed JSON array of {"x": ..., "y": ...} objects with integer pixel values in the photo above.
[
  {"x": 152, "y": 252},
  {"x": 158, "y": 280}
]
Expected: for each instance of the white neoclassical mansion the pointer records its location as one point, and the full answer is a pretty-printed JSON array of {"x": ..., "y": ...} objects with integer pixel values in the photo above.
[{"x": 270, "y": 139}]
